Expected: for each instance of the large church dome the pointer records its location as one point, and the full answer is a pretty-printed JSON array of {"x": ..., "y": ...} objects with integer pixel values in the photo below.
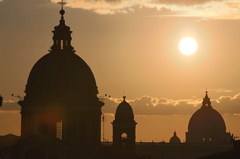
[
  {"x": 207, "y": 125},
  {"x": 206, "y": 119},
  {"x": 61, "y": 75},
  {"x": 61, "y": 95}
]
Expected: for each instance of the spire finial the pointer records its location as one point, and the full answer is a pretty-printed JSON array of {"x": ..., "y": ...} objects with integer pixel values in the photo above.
[
  {"x": 175, "y": 133},
  {"x": 206, "y": 100},
  {"x": 62, "y": 3},
  {"x": 124, "y": 98}
]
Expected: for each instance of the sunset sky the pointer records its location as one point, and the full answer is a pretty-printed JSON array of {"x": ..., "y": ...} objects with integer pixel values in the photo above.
[{"x": 132, "y": 48}]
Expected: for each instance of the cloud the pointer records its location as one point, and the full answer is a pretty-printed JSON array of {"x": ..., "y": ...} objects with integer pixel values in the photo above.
[
  {"x": 10, "y": 107},
  {"x": 218, "y": 9},
  {"x": 219, "y": 90},
  {"x": 148, "y": 105}
]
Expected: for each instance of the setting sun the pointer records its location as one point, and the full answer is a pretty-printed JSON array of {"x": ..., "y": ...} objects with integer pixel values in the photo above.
[{"x": 188, "y": 46}]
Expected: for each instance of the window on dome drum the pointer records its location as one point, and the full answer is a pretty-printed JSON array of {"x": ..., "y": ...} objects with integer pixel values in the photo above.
[
  {"x": 61, "y": 44},
  {"x": 203, "y": 139},
  {"x": 210, "y": 139},
  {"x": 59, "y": 130}
]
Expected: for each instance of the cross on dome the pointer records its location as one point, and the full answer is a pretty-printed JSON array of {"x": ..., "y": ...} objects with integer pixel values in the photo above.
[{"x": 62, "y": 3}]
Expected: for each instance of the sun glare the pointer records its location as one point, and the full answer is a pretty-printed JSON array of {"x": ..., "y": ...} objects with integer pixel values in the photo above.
[{"x": 188, "y": 46}]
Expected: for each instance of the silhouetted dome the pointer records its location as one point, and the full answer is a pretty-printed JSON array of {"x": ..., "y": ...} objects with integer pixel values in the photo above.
[
  {"x": 61, "y": 75},
  {"x": 174, "y": 139},
  {"x": 206, "y": 119},
  {"x": 124, "y": 112}
]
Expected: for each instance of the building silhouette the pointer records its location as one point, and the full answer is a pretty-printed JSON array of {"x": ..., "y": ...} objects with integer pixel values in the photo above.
[
  {"x": 207, "y": 125},
  {"x": 61, "y": 113},
  {"x": 124, "y": 127},
  {"x": 174, "y": 139},
  {"x": 206, "y": 135},
  {"x": 124, "y": 131},
  {"x": 61, "y": 117}
]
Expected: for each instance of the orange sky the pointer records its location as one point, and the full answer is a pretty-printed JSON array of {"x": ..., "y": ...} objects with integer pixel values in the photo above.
[{"x": 132, "y": 49}]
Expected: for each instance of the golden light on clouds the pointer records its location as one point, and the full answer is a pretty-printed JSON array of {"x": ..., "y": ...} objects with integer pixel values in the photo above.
[
  {"x": 212, "y": 9},
  {"x": 188, "y": 46}
]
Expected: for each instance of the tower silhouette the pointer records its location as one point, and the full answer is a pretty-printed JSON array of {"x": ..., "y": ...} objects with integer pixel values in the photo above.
[{"x": 124, "y": 130}]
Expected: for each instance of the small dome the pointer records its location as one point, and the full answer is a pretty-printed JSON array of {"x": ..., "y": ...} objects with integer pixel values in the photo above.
[
  {"x": 174, "y": 139},
  {"x": 124, "y": 111}
]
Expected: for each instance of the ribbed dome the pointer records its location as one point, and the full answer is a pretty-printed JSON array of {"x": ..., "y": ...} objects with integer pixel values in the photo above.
[
  {"x": 124, "y": 112},
  {"x": 206, "y": 119},
  {"x": 174, "y": 139},
  {"x": 63, "y": 75}
]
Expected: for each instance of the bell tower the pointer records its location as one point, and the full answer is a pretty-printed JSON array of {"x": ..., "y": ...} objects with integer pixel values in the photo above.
[{"x": 124, "y": 130}]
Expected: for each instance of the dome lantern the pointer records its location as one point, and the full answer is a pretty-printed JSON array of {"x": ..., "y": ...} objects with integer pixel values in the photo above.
[
  {"x": 62, "y": 35},
  {"x": 206, "y": 101}
]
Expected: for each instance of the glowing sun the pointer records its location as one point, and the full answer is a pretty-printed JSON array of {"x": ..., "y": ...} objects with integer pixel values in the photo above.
[{"x": 188, "y": 46}]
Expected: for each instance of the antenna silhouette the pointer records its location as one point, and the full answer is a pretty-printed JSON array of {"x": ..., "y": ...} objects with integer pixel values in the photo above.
[
  {"x": 19, "y": 97},
  {"x": 102, "y": 98},
  {"x": 1, "y": 99},
  {"x": 103, "y": 119}
]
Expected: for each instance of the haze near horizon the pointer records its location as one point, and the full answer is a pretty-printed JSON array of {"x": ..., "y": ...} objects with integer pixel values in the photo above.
[{"x": 135, "y": 50}]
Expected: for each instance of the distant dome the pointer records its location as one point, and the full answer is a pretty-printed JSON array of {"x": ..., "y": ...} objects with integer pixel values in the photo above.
[
  {"x": 207, "y": 125},
  {"x": 124, "y": 112},
  {"x": 61, "y": 75},
  {"x": 206, "y": 119},
  {"x": 174, "y": 139}
]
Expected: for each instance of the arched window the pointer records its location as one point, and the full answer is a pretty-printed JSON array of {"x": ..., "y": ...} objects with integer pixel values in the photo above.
[
  {"x": 124, "y": 136},
  {"x": 124, "y": 140},
  {"x": 35, "y": 154}
]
